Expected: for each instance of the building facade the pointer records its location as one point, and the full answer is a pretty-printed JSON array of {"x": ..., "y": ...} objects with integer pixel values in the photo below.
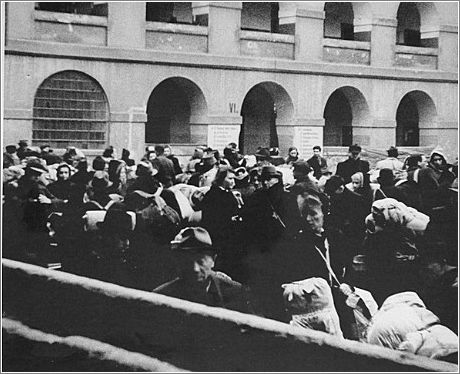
[{"x": 129, "y": 74}]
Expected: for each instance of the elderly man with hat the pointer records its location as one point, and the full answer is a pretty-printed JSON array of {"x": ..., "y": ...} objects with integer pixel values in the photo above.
[
  {"x": 197, "y": 281},
  {"x": 353, "y": 164}
]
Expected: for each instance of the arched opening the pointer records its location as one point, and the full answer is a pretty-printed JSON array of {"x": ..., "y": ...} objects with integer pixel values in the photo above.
[
  {"x": 338, "y": 21},
  {"x": 260, "y": 16},
  {"x": 415, "y": 110},
  {"x": 265, "y": 106},
  {"x": 173, "y": 105},
  {"x": 172, "y": 12},
  {"x": 70, "y": 109},
  {"x": 345, "y": 108},
  {"x": 418, "y": 25}
]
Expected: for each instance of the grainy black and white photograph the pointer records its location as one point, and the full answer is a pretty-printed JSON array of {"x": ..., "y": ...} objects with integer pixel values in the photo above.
[{"x": 229, "y": 186}]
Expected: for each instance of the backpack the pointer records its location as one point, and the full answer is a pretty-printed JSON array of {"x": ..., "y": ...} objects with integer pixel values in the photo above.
[{"x": 153, "y": 214}]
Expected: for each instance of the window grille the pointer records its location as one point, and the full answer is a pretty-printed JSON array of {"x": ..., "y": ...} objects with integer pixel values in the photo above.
[{"x": 70, "y": 109}]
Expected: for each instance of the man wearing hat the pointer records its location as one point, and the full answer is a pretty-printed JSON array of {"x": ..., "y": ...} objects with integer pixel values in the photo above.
[
  {"x": 36, "y": 203},
  {"x": 263, "y": 156},
  {"x": 206, "y": 169},
  {"x": 23, "y": 149},
  {"x": 10, "y": 157},
  {"x": 303, "y": 175},
  {"x": 354, "y": 164},
  {"x": 271, "y": 213},
  {"x": 386, "y": 180},
  {"x": 197, "y": 281}
]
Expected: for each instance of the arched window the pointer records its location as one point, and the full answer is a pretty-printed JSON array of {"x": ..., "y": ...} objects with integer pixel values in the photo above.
[
  {"x": 70, "y": 109},
  {"x": 408, "y": 30},
  {"x": 338, "y": 21},
  {"x": 418, "y": 25}
]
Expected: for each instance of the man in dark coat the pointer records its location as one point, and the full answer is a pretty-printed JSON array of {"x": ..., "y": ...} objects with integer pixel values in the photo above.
[
  {"x": 165, "y": 167},
  {"x": 347, "y": 213},
  {"x": 197, "y": 281},
  {"x": 318, "y": 163},
  {"x": 354, "y": 164},
  {"x": 271, "y": 213},
  {"x": 23, "y": 149},
  {"x": 168, "y": 153},
  {"x": 10, "y": 157}
]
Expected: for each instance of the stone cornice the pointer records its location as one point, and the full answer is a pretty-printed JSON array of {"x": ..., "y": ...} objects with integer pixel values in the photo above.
[{"x": 207, "y": 61}]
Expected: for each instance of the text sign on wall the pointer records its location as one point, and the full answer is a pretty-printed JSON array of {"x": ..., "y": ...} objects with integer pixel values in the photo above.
[
  {"x": 220, "y": 135},
  {"x": 305, "y": 138}
]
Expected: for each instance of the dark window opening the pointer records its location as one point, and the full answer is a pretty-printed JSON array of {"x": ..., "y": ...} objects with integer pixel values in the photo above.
[
  {"x": 409, "y": 26},
  {"x": 259, "y": 16},
  {"x": 180, "y": 13},
  {"x": 407, "y": 123},
  {"x": 346, "y": 31},
  {"x": 338, "y": 21},
  {"x": 92, "y": 9}
]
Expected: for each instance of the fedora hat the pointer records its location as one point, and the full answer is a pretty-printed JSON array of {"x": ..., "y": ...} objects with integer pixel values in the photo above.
[
  {"x": 263, "y": 153},
  {"x": 269, "y": 171},
  {"x": 192, "y": 239},
  {"x": 101, "y": 179}
]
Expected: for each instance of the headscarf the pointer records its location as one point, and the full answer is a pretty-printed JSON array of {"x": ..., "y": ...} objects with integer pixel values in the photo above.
[{"x": 360, "y": 177}]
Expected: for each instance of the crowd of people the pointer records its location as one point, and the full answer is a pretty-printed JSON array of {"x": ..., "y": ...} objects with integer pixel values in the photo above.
[{"x": 363, "y": 253}]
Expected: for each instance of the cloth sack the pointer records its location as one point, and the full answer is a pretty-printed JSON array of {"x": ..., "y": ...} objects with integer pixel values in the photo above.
[{"x": 311, "y": 305}]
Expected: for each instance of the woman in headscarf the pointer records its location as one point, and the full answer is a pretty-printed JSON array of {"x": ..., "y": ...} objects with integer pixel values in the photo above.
[{"x": 360, "y": 185}]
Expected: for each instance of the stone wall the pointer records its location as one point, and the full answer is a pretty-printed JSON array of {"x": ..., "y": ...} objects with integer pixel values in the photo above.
[{"x": 187, "y": 335}]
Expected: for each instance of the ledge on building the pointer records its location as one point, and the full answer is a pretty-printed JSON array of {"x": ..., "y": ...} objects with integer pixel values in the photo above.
[
  {"x": 346, "y": 44},
  {"x": 69, "y": 18},
  {"x": 176, "y": 28},
  {"x": 266, "y": 37},
  {"x": 416, "y": 50}
]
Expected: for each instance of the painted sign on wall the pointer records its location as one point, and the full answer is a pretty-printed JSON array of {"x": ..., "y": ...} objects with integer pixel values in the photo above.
[
  {"x": 220, "y": 135},
  {"x": 306, "y": 137}
]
